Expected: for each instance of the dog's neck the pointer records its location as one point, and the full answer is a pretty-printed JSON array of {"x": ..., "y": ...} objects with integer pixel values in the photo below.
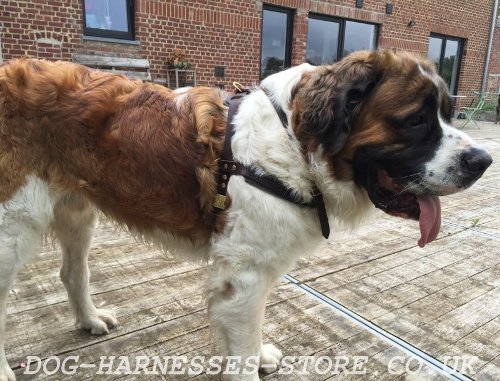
[
  {"x": 281, "y": 85},
  {"x": 262, "y": 132}
]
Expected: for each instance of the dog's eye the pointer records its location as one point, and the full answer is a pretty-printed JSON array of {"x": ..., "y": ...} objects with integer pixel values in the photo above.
[{"x": 417, "y": 121}]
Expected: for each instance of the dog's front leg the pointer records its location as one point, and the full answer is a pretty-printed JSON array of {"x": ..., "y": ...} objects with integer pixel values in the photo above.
[{"x": 237, "y": 298}]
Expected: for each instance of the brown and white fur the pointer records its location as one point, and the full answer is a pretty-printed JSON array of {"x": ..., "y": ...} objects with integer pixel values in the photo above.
[{"x": 75, "y": 141}]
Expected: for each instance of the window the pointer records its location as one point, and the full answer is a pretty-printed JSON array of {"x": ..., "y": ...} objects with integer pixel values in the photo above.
[
  {"x": 276, "y": 40},
  {"x": 446, "y": 52},
  {"x": 322, "y": 41},
  {"x": 359, "y": 36},
  {"x": 109, "y": 18},
  {"x": 329, "y": 39}
]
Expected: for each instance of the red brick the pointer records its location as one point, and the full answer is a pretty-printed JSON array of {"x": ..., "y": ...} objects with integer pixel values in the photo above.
[{"x": 227, "y": 32}]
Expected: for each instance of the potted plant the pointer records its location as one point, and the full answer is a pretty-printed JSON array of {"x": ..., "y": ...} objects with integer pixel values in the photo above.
[{"x": 178, "y": 60}]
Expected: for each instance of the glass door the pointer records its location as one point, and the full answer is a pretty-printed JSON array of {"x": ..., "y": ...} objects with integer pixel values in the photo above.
[{"x": 446, "y": 52}]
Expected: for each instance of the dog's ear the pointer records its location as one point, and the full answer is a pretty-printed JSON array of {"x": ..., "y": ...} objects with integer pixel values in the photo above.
[{"x": 331, "y": 98}]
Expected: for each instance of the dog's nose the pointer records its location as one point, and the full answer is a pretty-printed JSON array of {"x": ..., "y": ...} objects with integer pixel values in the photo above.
[{"x": 475, "y": 161}]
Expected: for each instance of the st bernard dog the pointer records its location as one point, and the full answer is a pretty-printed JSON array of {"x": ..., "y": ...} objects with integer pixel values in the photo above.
[{"x": 373, "y": 130}]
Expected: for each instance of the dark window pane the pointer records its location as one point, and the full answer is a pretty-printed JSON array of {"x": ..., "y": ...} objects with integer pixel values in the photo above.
[
  {"x": 450, "y": 63},
  {"x": 446, "y": 53},
  {"x": 106, "y": 14},
  {"x": 322, "y": 41},
  {"x": 274, "y": 42},
  {"x": 358, "y": 36},
  {"x": 434, "y": 53}
]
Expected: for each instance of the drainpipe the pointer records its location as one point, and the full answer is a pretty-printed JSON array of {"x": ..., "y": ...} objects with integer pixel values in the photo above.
[{"x": 490, "y": 44}]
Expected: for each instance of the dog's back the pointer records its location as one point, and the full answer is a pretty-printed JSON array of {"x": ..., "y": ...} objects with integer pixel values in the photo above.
[
  {"x": 121, "y": 143},
  {"x": 40, "y": 102}
]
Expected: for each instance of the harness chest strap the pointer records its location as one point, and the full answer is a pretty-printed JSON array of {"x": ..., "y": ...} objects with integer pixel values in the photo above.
[{"x": 268, "y": 183}]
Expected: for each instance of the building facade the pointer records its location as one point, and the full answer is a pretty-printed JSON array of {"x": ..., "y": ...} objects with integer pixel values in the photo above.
[
  {"x": 494, "y": 81},
  {"x": 245, "y": 40}
]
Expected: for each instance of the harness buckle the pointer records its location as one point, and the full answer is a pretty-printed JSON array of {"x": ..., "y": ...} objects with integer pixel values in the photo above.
[{"x": 220, "y": 201}]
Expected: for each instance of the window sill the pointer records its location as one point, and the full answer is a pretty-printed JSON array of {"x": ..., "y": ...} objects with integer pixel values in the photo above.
[{"x": 111, "y": 40}]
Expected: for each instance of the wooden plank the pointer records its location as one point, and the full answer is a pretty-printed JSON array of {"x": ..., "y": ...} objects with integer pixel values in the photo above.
[
  {"x": 142, "y": 76},
  {"x": 321, "y": 327},
  {"x": 104, "y": 279},
  {"x": 480, "y": 346},
  {"x": 107, "y": 61},
  {"x": 491, "y": 372},
  {"x": 110, "y": 64}
]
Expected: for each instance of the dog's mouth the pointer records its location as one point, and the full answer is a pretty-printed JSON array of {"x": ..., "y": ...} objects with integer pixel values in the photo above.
[{"x": 393, "y": 199}]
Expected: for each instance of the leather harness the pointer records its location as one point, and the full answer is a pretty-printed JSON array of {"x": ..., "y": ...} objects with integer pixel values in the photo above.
[{"x": 265, "y": 182}]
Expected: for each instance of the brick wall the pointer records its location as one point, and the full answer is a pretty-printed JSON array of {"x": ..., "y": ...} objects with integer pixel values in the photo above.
[
  {"x": 495, "y": 54},
  {"x": 469, "y": 20},
  {"x": 227, "y": 33},
  {"x": 209, "y": 34}
]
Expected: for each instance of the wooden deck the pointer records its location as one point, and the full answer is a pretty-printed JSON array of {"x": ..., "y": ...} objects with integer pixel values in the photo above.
[{"x": 444, "y": 299}]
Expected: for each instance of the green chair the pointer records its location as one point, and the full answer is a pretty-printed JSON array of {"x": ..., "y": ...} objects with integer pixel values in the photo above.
[{"x": 472, "y": 109}]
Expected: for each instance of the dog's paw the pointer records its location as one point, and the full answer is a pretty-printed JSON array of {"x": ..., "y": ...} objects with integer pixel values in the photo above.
[
  {"x": 6, "y": 374},
  {"x": 99, "y": 323},
  {"x": 270, "y": 358}
]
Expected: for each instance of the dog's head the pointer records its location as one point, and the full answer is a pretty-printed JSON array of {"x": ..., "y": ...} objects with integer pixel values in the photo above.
[{"x": 383, "y": 120}]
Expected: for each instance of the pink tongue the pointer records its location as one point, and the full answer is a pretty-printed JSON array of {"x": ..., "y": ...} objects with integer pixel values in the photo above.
[{"x": 430, "y": 219}]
